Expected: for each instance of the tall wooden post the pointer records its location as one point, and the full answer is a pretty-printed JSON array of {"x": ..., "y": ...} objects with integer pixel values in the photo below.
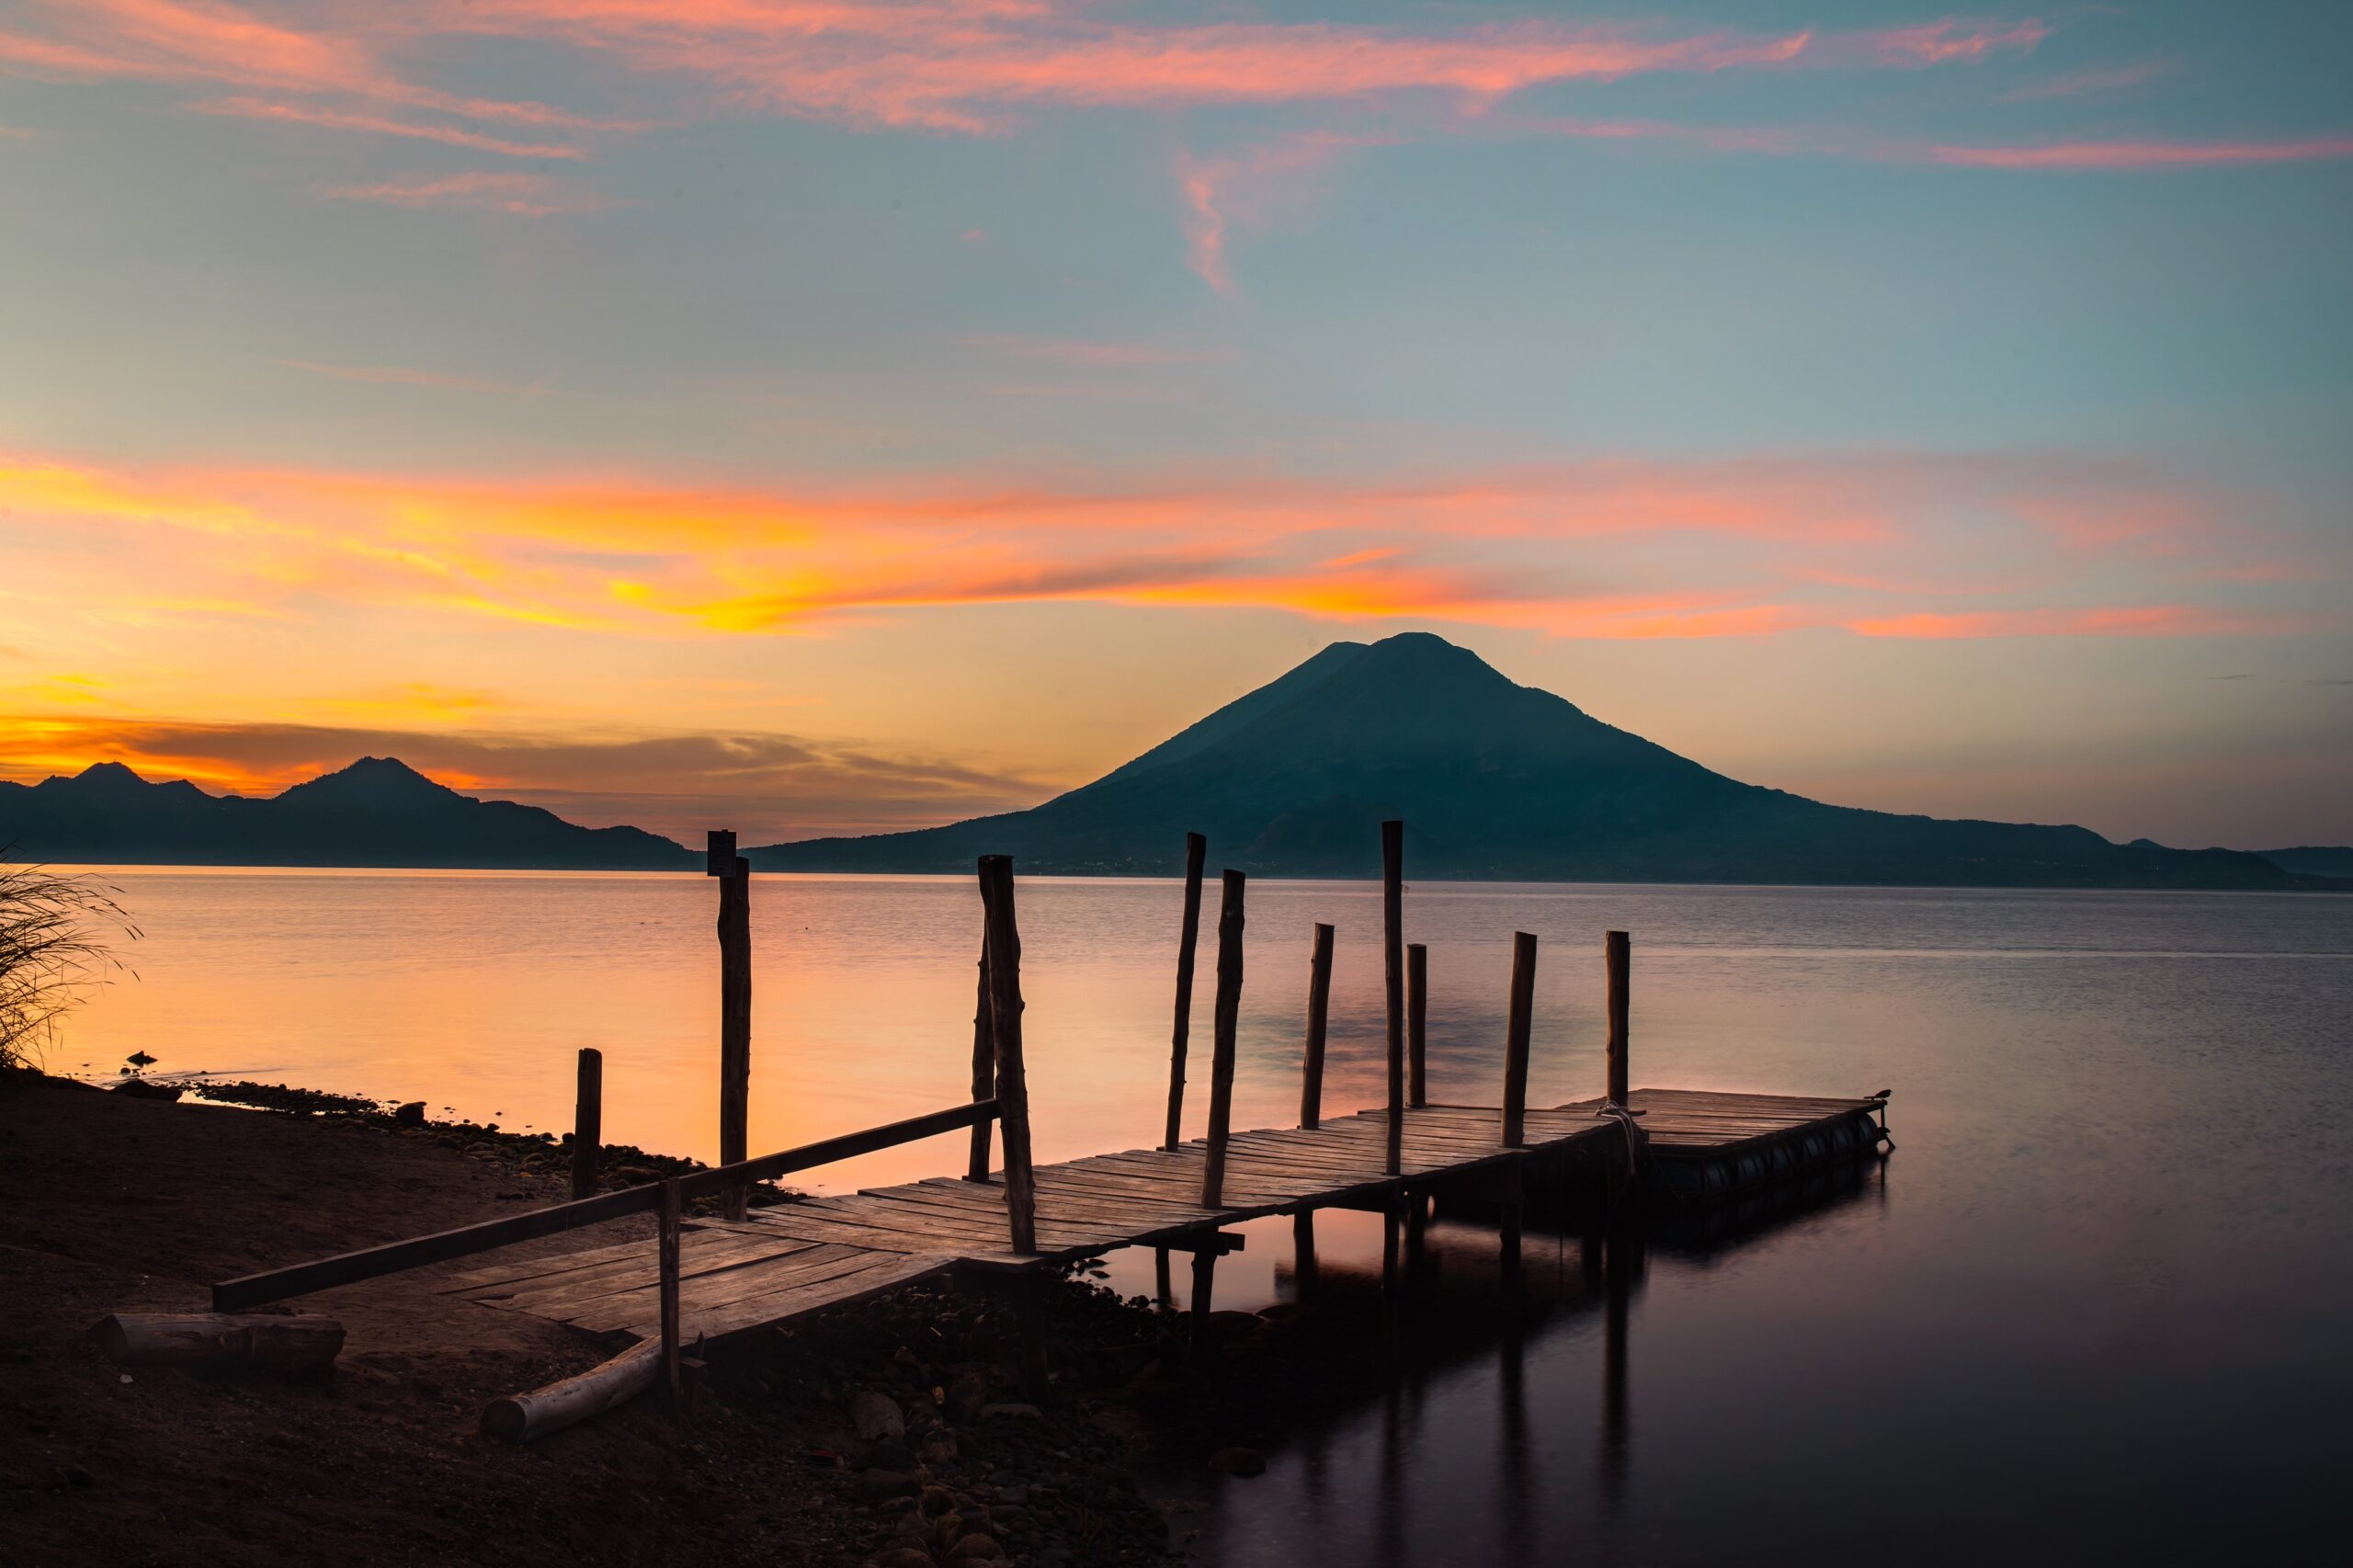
[
  {"x": 1189, "y": 935},
  {"x": 1227, "y": 1018},
  {"x": 734, "y": 874},
  {"x": 1617, "y": 955},
  {"x": 668, "y": 1244},
  {"x": 983, "y": 1069},
  {"x": 1523, "y": 1002},
  {"x": 1319, "y": 1007},
  {"x": 587, "y": 1121},
  {"x": 1417, "y": 1016},
  {"x": 1392, "y": 945},
  {"x": 1004, "y": 948}
]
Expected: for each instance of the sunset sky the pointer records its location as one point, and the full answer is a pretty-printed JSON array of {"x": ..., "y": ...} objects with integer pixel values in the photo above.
[{"x": 851, "y": 415}]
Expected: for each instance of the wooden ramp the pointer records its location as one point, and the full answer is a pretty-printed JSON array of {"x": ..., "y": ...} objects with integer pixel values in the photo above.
[{"x": 794, "y": 1258}]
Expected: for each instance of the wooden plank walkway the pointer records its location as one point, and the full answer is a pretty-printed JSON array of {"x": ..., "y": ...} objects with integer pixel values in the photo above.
[{"x": 794, "y": 1258}]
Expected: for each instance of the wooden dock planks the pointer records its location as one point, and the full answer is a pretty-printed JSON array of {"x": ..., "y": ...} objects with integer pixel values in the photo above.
[{"x": 779, "y": 1262}]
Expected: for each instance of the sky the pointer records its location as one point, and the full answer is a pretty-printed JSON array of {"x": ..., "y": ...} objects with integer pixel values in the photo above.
[{"x": 850, "y": 414}]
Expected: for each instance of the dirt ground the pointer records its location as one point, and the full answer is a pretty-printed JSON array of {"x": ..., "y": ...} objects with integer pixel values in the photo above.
[{"x": 109, "y": 1203}]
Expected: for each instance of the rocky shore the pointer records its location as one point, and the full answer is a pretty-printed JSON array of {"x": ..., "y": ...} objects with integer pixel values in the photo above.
[{"x": 911, "y": 1429}]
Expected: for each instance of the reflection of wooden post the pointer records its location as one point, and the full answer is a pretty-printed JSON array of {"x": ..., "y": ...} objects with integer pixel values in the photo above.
[
  {"x": 1418, "y": 1015},
  {"x": 1196, "y": 847},
  {"x": 734, "y": 874},
  {"x": 1004, "y": 948},
  {"x": 1523, "y": 1001},
  {"x": 669, "y": 1244},
  {"x": 983, "y": 1070},
  {"x": 1204, "y": 1286},
  {"x": 1302, "y": 1242},
  {"x": 1617, "y": 955},
  {"x": 1392, "y": 957},
  {"x": 1319, "y": 1007},
  {"x": 587, "y": 1121},
  {"x": 1227, "y": 1018}
]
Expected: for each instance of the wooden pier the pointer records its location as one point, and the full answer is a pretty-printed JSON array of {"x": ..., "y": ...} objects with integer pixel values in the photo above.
[
  {"x": 700, "y": 1280},
  {"x": 799, "y": 1257}
]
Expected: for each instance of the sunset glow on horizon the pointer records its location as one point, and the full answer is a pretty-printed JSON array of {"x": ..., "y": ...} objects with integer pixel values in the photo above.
[{"x": 826, "y": 417}]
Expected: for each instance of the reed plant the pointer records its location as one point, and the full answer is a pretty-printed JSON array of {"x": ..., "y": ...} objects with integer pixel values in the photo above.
[{"x": 57, "y": 942}]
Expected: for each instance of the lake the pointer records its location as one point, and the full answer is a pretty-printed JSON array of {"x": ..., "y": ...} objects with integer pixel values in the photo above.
[{"x": 2097, "y": 1307}]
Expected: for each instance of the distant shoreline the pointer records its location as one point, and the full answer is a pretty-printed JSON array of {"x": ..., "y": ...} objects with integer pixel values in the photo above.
[{"x": 2305, "y": 884}]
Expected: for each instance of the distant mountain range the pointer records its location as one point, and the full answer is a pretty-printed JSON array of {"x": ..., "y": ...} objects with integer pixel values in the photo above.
[
  {"x": 378, "y": 811},
  {"x": 1493, "y": 781}
]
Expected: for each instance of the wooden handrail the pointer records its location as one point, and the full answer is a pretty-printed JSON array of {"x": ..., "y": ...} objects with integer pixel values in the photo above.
[{"x": 393, "y": 1257}]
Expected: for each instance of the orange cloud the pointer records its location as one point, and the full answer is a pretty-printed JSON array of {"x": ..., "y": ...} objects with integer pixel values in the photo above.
[{"x": 1599, "y": 548}]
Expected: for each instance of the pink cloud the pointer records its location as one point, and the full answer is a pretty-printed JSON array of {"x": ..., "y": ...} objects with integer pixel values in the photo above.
[
  {"x": 1249, "y": 187},
  {"x": 2135, "y": 621},
  {"x": 330, "y": 119},
  {"x": 2126, "y": 155}
]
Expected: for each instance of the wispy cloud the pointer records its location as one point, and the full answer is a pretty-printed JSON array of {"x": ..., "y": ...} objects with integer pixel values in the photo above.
[
  {"x": 2089, "y": 82},
  {"x": 2139, "y": 155},
  {"x": 528, "y": 196},
  {"x": 2006, "y": 546},
  {"x": 311, "y": 115},
  {"x": 1249, "y": 186}
]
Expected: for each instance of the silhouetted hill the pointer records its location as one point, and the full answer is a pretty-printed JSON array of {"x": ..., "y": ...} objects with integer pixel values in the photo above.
[
  {"x": 2314, "y": 859},
  {"x": 1493, "y": 781},
  {"x": 378, "y": 811}
]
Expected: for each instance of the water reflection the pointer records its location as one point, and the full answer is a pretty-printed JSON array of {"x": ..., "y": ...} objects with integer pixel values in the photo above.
[{"x": 1395, "y": 1462}]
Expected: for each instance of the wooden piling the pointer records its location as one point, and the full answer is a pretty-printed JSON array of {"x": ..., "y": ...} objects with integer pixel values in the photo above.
[
  {"x": 1619, "y": 959},
  {"x": 1225, "y": 1021},
  {"x": 1392, "y": 945},
  {"x": 976, "y": 1168},
  {"x": 1187, "y": 938},
  {"x": 1004, "y": 948},
  {"x": 1516, "y": 1030},
  {"x": 671, "y": 1212},
  {"x": 587, "y": 1121},
  {"x": 1319, "y": 1007},
  {"x": 1418, "y": 1014},
  {"x": 734, "y": 874}
]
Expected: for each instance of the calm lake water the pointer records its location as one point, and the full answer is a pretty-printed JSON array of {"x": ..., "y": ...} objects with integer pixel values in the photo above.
[{"x": 2097, "y": 1308}]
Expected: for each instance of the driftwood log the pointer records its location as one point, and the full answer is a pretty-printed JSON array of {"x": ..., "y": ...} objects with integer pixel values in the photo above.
[
  {"x": 524, "y": 1416},
  {"x": 220, "y": 1339}
]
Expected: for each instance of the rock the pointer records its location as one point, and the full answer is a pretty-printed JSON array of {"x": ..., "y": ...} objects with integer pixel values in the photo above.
[
  {"x": 876, "y": 1416},
  {"x": 1238, "y": 1461},
  {"x": 1010, "y": 1412},
  {"x": 938, "y": 1500},
  {"x": 881, "y": 1485},
  {"x": 141, "y": 1089},
  {"x": 409, "y": 1115},
  {"x": 939, "y": 1448},
  {"x": 967, "y": 1395},
  {"x": 901, "y": 1557},
  {"x": 976, "y": 1548},
  {"x": 888, "y": 1454}
]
